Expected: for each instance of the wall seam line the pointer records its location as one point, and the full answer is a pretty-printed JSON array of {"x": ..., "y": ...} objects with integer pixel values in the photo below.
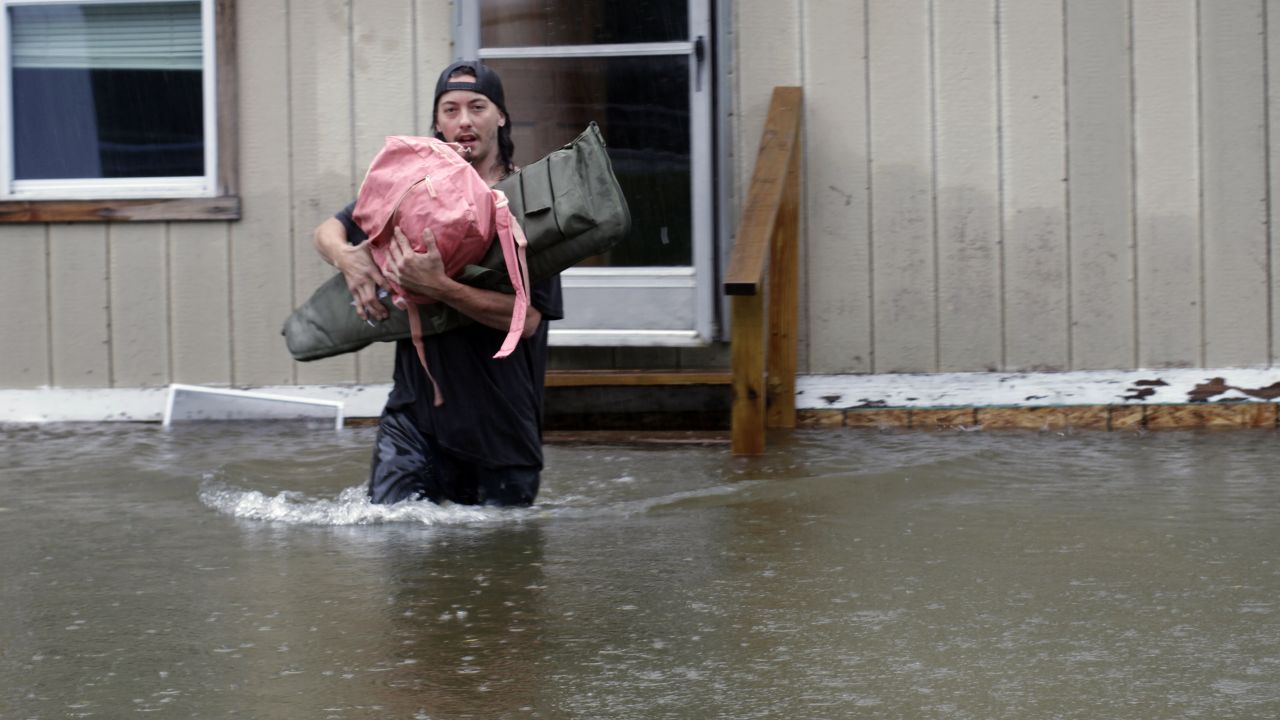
[
  {"x": 1134, "y": 257},
  {"x": 1002, "y": 281},
  {"x": 229, "y": 244},
  {"x": 291, "y": 154},
  {"x": 48, "y": 304},
  {"x": 1267, "y": 182},
  {"x": 802, "y": 209},
  {"x": 107, "y": 234},
  {"x": 354, "y": 171},
  {"x": 168, "y": 300},
  {"x": 1200, "y": 229},
  {"x": 933, "y": 184},
  {"x": 871, "y": 244},
  {"x": 1068, "y": 249}
]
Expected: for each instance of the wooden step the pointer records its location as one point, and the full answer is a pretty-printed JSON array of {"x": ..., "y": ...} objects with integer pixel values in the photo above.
[{"x": 636, "y": 378}]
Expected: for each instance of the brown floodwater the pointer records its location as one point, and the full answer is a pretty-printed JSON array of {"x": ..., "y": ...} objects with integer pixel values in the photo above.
[{"x": 237, "y": 571}]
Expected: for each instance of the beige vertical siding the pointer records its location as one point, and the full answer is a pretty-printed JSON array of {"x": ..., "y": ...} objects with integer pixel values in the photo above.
[
  {"x": 1100, "y": 173},
  {"x": 1166, "y": 182},
  {"x": 321, "y": 155},
  {"x": 1033, "y": 131},
  {"x": 966, "y": 184},
  {"x": 433, "y": 50},
  {"x": 1079, "y": 185},
  {"x": 200, "y": 296},
  {"x": 24, "y": 289},
  {"x": 80, "y": 341},
  {"x": 1272, "y": 9},
  {"x": 1233, "y": 163},
  {"x": 768, "y": 44},
  {"x": 139, "y": 304},
  {"x": 261, "y": 243},
  {"x": 905, "y": 311},
  {"x": 836, "y": 283}
]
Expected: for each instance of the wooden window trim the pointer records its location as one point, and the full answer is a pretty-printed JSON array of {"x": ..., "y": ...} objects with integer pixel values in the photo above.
[{"x": 226, "y": 206}]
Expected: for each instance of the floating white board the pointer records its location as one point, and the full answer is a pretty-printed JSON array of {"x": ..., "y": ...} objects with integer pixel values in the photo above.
[{"x": 193, "y": 403}]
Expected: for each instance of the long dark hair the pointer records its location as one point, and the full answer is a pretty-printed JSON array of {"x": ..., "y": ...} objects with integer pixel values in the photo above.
[{"x": 506, "y": 146}]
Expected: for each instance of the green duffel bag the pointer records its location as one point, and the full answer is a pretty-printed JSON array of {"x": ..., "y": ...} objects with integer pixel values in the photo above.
[{"x": 570, "y": 206}]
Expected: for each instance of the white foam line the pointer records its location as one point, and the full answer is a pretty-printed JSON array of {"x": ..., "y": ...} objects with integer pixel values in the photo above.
[
  {"x": 1102, "y": 387},
  {"x": 630, "y": 507},
  {"x": 813, "y": 392},
  {"x": 352, "y": 507}
]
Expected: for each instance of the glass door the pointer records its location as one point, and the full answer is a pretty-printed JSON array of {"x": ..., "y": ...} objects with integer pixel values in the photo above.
[{"x": 642, "y": 71}]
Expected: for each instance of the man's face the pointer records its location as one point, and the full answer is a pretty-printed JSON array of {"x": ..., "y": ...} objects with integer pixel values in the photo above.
[{"x": 471, "y": 120}]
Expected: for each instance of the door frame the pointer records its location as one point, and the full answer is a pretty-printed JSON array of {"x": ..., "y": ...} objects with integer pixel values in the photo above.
[{"x": 678, "y": 305}]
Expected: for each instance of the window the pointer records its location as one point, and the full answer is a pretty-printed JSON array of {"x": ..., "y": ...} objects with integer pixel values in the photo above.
[
  {"x": 642, "y": 70},
  {"x": 109, "y": 109}
]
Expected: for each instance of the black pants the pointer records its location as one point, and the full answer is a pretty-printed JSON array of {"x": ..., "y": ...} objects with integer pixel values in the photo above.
[{"x": 409, "y": 465}]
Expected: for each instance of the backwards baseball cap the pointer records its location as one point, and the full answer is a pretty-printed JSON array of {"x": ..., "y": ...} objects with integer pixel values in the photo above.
[{"x": 487, "y": 83}]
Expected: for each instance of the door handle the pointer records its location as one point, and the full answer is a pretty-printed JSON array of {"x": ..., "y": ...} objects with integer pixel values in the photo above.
[{"x": 699, "y": 59}]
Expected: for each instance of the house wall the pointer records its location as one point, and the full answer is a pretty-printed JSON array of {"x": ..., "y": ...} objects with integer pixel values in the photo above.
[
  {"x": 1030, "y": 185},
  {"x": 145, "y": 304},
  {"x": 989, "y": 185}
]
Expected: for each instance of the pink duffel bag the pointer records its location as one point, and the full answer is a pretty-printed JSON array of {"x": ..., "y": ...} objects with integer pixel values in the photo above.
[{"x": 420, "y": 182}]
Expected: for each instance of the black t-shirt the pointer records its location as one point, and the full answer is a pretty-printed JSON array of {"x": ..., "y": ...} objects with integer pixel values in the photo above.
[{"x": 492, "y": 411}]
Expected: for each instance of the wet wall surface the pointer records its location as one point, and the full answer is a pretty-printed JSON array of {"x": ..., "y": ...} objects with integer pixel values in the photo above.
[{"x": 215, "y": 571}]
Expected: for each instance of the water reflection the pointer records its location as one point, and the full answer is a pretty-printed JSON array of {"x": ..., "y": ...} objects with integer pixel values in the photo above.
[
  {"x": 850, "y": 574},
  {"x": 463, "y": 638}
]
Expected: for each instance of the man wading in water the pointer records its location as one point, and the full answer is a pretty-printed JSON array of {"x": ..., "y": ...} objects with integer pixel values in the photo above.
[{"x": 483, "y": 445}]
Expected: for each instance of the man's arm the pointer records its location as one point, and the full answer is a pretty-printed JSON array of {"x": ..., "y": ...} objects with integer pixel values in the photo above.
[
  {"x": 355, "y": 262},
  {"x": 423, "y": 273}
]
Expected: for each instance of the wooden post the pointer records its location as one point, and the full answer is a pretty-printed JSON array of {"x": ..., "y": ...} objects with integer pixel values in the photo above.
[
  {"x": 747, "y": 355},
  {"x": 784, "y": 272},
  {"x": 768, "y": 234}
]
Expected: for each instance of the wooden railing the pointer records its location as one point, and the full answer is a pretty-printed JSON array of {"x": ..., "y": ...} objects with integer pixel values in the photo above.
[{"x": 763, "y": 349}]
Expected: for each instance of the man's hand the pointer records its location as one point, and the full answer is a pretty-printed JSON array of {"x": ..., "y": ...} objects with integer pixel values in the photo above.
[
  {"x": 363, "y": 280},
  {"x": 356, "y": 264},
  {"x": 420, "y": 272},
  {"x": 423, "y": 273}
]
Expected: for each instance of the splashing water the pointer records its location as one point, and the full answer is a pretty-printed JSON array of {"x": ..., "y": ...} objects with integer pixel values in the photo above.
[{"x": 351, "y": 507}]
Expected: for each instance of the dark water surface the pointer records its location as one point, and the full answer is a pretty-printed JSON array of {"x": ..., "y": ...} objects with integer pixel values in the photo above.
[{"x": 238, "y": 572}]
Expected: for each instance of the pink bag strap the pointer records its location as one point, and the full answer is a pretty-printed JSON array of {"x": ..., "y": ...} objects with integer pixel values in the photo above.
[
  {"x": 415, "y": 331},
  {"x": 513, "y": 241}
]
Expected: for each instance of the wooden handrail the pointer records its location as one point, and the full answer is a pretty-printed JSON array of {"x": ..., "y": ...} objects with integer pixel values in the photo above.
[
  {"x": 764, "y": 198},
  {"x": 769, "y": 230}
]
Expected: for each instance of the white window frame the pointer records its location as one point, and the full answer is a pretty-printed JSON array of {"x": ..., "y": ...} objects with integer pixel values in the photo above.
[
  {"x": 679, "y": 303},
  {"x": 206, "y": 185}
]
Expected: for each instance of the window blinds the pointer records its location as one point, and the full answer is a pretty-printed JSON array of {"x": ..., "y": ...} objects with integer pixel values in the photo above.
[{"x": 138, "y": 36}]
